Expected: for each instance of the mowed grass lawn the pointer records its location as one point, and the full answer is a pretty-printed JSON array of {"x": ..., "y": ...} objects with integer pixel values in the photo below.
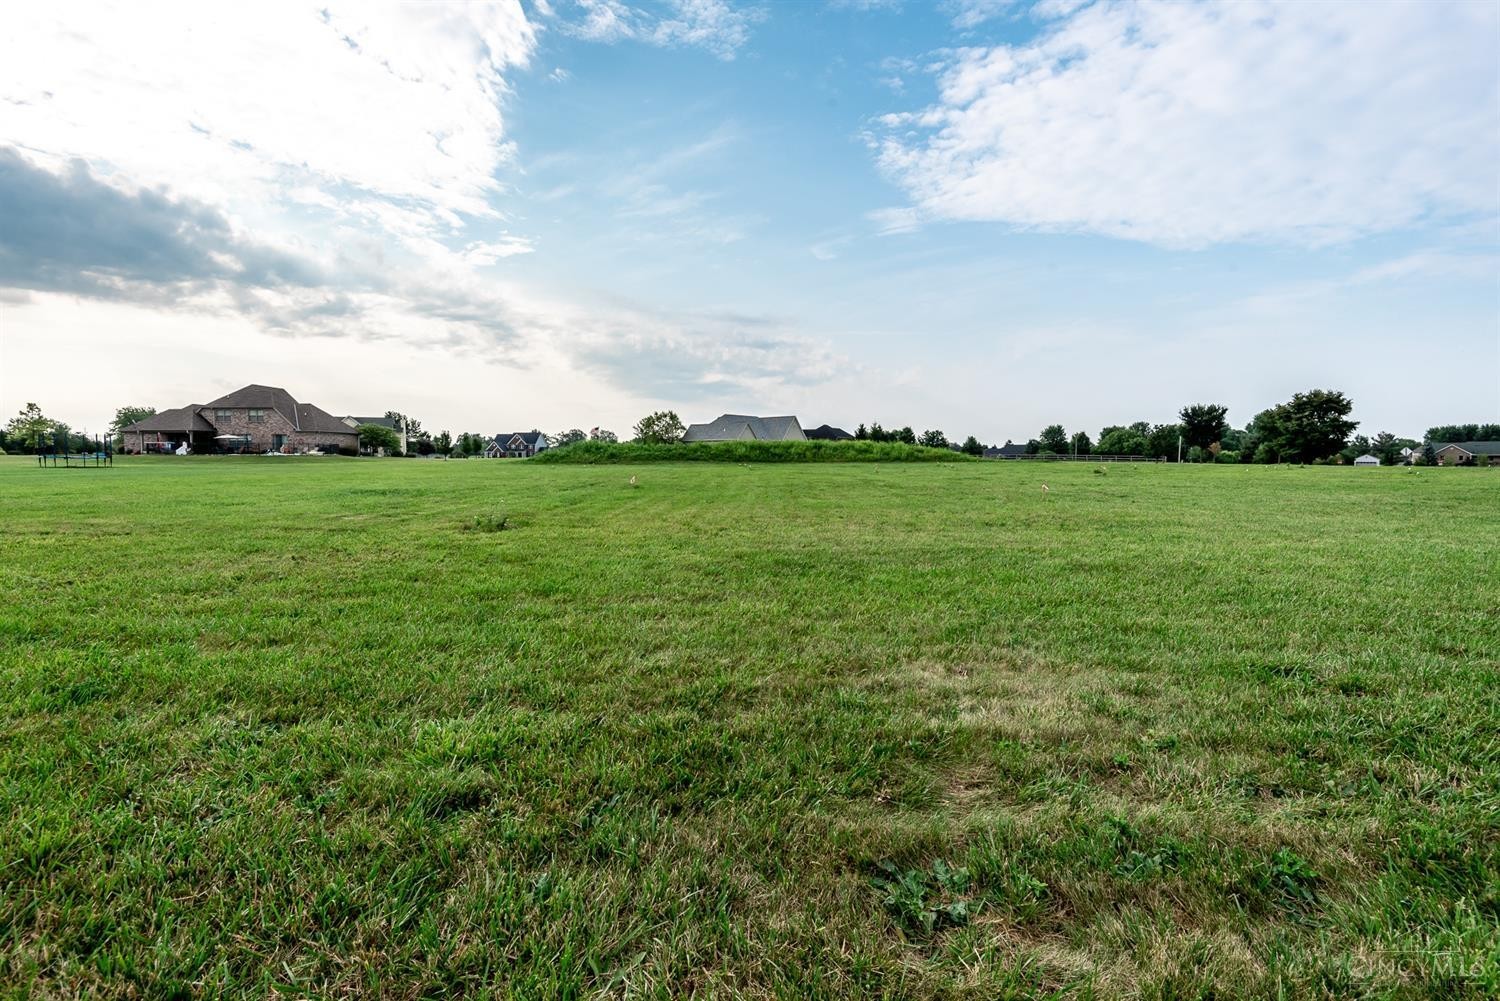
[{"x": 282, "y": 726}]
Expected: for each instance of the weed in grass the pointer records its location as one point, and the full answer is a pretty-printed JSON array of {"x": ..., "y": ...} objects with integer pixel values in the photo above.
[
  {"x": 1289, "y": 879},
  {"x": 924, "y": 901},
  {"x": 487, "y": 523}
]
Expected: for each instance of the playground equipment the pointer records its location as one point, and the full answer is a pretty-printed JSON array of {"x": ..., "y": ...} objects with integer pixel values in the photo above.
[{"x": 101, "y": 452}]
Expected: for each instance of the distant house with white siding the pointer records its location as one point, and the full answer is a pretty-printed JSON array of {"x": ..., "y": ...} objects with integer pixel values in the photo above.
[{"x": 1367, "y": 460}]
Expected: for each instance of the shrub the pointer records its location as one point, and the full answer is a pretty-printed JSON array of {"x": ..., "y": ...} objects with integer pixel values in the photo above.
[
  {"x": 1228, "y": 457},
  {"x": 598, "y": 452}
]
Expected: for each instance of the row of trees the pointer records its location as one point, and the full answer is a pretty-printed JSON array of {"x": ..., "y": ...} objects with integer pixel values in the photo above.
[
  {"x": 31, "y": 429},
  {"x": 1311, "y": 426}
]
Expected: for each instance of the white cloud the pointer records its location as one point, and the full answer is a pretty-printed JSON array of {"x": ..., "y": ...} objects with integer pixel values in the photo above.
[
  {"x": 972, "y": 13},
  {"x": 480, "y": 254},
  {"x": 714, "y": 25},
  {"x": 400, "y": 101},
  {"x": 1189, "y": 124}
]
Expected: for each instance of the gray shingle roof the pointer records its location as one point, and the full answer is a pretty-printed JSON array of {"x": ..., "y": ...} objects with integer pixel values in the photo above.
[
  {"x": 531, "y": 438},
  {"x": 735, "y": 427},
  {"x": 179, "y": 419},
  {"x": 827, "y": 432},
  {"x": 311, "y": 419},
  {"x": 263, "y": 398},
  {"x": 1473, "y": 447}
]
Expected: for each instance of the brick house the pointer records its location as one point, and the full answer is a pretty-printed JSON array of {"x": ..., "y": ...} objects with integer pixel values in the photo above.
[
  {"x": 1479, "y": 453},
  {"x": 253, "y": 419}
]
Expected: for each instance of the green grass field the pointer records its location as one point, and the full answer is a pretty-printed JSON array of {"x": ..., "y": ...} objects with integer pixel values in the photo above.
[{"x": 877, "y": 730}]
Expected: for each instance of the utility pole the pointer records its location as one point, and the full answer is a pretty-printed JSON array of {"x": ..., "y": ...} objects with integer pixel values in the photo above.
[{"x": 1179, "y": 448}]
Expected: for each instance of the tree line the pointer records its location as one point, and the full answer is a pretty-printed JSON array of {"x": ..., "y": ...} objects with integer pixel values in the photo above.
[{"x": 1310, "y": 427}]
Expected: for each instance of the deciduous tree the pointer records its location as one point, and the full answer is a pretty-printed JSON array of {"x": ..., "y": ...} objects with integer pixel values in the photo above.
[
  {"x": 1203, "y": 423},
  {"x": 1121, "y": 441},
  {"x": 663, "y": 427},
  {"x": 30, "y": 426},
  {"x": 1311, "y": 425},
  {"x": 126, "y": 416},
  {"x": 377, "y": 436}
]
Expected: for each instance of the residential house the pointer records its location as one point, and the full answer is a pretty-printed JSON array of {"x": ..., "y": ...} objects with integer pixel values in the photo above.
[
  {"x": 827, "y": 432},
  {"x": 254, "y": 419},
  {"x": 1462, "y": 453},
  {"x": 1367, "y": 460},
  {"x": 1009, "y": 450},
  {"x": 742, "y": 427},
  {"x": 394, "y": 424},
  {"x": 516, "y": 445}
]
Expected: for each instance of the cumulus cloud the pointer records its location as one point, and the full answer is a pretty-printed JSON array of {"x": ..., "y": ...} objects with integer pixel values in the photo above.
[
  {"x": 71, "y": 232},
  {"x": 714, "y": 25},
  {"x": 1191, "y": 124},
  {"x": 399, "y": 101},
  {"x": 327, "y": 172}
]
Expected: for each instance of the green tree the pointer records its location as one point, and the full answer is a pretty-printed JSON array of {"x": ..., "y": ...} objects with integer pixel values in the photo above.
[
  {"x": 971, "y": 446},
  {"x": 1203, "y": 423},
  {"x": 906, "y": 435},
  {"x": 126, "y": 416},
  {"x": 572, "y": 436},
  {"x": 663, "y": 427},
  {"x": 862, "y": 433},
  {"x": 443, "y": 442},
  {"x": 1053, "y": 439},
  {"x": 1445, "y": 433},
  {"x": 933, "y": 439},
  {"x": 1081, "y": 444},
  {"x": 1388, "y": 447},
  {"x": 30, "y": 427},
  {"x": 606, "y": 436},
  {"x": 1311, "y": 425},
  {"x": 1429, "y": 454},
  {"x": 377, "y": 436},
  {"x": 1163, "y": 440},
  {"x": 412, "y": 427},
  {"x": 1121, "y": 441}
]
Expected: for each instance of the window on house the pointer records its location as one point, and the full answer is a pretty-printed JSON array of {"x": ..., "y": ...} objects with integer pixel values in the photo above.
[
  {"x": 223, "y": 415},
  {"x": 257, "y": 417}
]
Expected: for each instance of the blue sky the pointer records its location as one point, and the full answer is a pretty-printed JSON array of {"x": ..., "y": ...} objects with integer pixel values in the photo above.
[{"x": 981, "y": 217}]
